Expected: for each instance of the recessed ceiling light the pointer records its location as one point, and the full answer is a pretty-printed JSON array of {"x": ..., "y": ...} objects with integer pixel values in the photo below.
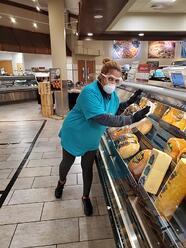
[
  {"x": 37, "y": 7},
  {"x": 35, "y": 25},
  {"x": 141, "y": 34},
  {"x": 33, "y": 1},
  {"x": 13, "y": 20},
  {"x": 98, "y": 16},
  {"x": 0, "y": 17},
  {"x": 90, "y": 34},
  {"x": 77, "y": 34}
]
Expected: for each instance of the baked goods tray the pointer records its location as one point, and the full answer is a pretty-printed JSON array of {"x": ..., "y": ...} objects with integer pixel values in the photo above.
[{"x": 169, "y": 231}]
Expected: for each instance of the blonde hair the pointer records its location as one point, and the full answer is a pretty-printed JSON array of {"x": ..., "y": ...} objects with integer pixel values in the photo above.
[{"x": 109, "y": 65}]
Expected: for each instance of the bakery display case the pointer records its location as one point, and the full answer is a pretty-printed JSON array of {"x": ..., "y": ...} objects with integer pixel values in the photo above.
[
  {"x": 142, "y": 168},
  {"x": 18, "y": 88}
]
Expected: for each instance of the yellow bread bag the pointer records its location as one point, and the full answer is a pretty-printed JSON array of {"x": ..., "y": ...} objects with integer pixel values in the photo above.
[
  {"x": 138, "y": 163},
  {"x": 182, "y": 154},
  {"x": 181, "y": 124},
  {"x": 174, "y": 147},
  {"x": 173, "y": 192},
  {"x": 159, "y": 109},
  {"x": 172, "y": 115}
]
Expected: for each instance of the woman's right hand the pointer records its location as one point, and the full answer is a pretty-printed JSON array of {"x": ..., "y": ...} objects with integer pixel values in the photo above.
[{"x": 141, "y": 114}]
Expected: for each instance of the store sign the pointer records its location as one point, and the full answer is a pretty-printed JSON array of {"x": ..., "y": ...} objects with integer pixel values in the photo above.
[
  {"x": 161, "y": 49},
  {"x": 55, "y": 78},
  {"x": 143, "y": 73},
  {"x": 183, "y": 49},
  {"x": 125, "y": 49}
]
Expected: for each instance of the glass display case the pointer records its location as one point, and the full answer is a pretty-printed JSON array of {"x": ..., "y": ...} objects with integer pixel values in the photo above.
[
  {"x": 140, "y": 215},
  {"x": 18, "y": 88}
]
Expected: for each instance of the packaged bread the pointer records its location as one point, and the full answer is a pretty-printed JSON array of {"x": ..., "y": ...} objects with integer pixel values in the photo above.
[
  {"x": 128, "y": 148},
  {"x": 172, "y": 115},
  {"x": 144, "y": 126},
  {"x": 143, "y": 102},
  {"x": 115, "y": 132},
  {"x": 173, "y": 192},
  {"x": 155, "y": 170},
  {"x": 174, "y": 147},
  {"x": 126, "y": 137},
  {"x": 159, "y": 109},
  {"x": 182, "y": 154},
  {"x": 138, "y": 163},
  {"x": 133, "y": 108},
  {"x": 181, "y": 124}
]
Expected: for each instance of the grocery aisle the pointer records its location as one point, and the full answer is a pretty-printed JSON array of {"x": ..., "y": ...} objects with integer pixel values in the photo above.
[{"x": 30, "y": 215}]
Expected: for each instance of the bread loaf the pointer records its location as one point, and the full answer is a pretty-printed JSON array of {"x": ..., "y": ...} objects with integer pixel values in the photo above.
[
  {"x": 181, "y": 124},
  {"x": 182, "y": 154},
  {"x": 159, "y": 109},
  {"x": 128, "y": 148},
  {"x": 174, "y": 147},
  {"x": 173, "y": 191},
  {"x": 131, "y": 109},
  {"x": 144, "y": 126},
  {"x": 138, "y": 163},
  {"x": 115, "y": 133}
]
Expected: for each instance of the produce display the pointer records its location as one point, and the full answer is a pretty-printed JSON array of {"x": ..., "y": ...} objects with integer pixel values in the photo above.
[
  {"x": 174, "y": 147},
  {"x": 128, "y": 145},
  {"x": 173, "y": 192},
  {"x": 138, "y": 163},
  {"x": 144, "y": 126},
  {"x": 133, "y": 108},
  {"x": 155, "y": 171}
]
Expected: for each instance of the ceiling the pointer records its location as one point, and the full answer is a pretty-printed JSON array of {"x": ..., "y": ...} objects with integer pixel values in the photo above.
[
  {"x": 126, "y": 19},
  {"x": 145, "y": 6}
]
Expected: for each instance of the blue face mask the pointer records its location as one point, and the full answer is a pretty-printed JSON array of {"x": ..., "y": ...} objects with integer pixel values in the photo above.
[{"x": 109, "y": 88}]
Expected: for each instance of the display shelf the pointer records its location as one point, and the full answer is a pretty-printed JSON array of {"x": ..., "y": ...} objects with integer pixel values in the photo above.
[{"x": 144, "y": 223}]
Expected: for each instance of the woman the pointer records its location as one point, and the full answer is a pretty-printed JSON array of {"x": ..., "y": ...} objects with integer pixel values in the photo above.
[{"x": 97, "y": 107}]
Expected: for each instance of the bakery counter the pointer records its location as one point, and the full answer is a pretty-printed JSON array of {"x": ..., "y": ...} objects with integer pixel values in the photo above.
[{"x": 18, "y": 93}]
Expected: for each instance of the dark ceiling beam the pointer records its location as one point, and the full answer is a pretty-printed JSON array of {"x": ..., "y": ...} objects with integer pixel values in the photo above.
[
  {"x": 148, "y": 36},
  {"x": 23, "y": 6}
]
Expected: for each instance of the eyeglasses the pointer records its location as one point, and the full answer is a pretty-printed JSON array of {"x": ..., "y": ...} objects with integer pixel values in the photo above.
[{"x": 112, "y": 79}]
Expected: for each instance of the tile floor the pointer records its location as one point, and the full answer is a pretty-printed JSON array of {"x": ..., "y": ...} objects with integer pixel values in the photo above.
[{"x": 30, "y": 215}]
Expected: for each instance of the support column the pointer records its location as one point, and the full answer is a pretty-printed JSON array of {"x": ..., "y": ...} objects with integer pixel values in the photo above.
[{"x": 57, "y": 35}]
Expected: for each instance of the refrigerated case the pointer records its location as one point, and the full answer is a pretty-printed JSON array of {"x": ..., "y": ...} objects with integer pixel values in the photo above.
[{"x": 135, "y": 220}]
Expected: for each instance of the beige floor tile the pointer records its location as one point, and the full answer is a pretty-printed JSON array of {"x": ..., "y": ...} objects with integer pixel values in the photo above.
[
  {"x": 23, "y": 183},
  {"x": 12, "y": 150},
  {"x": 44, "y": 149},
  {"x": 18, "y": 157},
  {"x": 8, "y": 198},
  {"x": 105, "y": 243},
  {"x": 6, "y": 233},
  {"x": 3, "y": 157},
  {"x": 95, "y": 178},
  {"x": 65, "y": 209},
  {"x": 96, "y": 190},
  {"x": 20, "y": 213},
  {"x": 48, "y": 246},
  {"x": 74, "y": 170},
  {"x": 102, "y": 208},
  {"x": 32, "y": 195},
  {"x": 51, "y": 181},
  {"x": 3, "y": 183},
  {"x": 10, "y": 164},
  {"x": 72, "y": 192},
  {"x": 96, "y": 227},
  {"x": 45, "y": 233},
  {"x": 34, "y": 172},
  {"x": 44, "y": 162},
  {"x": 5, "y": 173},
  {"x": 52, "y": 154},
  {"x": 36, "y": 155}
]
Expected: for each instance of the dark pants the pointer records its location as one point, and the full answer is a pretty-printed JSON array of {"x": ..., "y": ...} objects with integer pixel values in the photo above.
[{"x": 87, "y": 161}]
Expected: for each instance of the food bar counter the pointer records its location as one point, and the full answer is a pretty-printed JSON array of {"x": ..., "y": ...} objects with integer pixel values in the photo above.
[
  {"x": 147, "y": 209},
  {"x": 18, "y": 88}
]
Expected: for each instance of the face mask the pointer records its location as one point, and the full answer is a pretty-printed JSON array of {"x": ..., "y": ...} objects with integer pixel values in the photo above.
[{"x": 109, "y": 88}]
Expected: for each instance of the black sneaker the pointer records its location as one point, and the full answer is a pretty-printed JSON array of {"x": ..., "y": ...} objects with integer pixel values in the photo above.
[
  {"x": 59, "y": 190},
  {"x": 88, "y": 209}
]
